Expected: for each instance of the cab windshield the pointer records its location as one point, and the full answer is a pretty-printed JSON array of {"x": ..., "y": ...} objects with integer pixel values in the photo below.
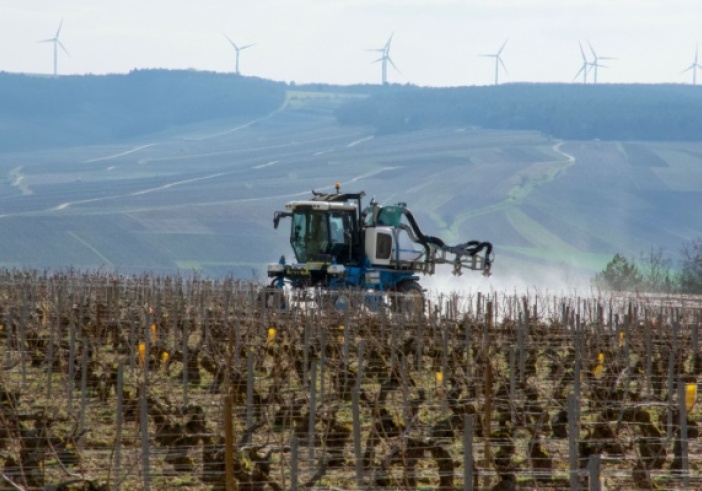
[{"x": 321, "y": 235}]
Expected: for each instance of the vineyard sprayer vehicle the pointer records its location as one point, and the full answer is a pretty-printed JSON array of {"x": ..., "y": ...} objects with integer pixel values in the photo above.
[{"x": 340, "y": 246}]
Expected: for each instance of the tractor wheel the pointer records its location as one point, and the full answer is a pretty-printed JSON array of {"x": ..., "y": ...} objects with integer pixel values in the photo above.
[
  {"x": 273, "y": 296},
  {"x": 408, "y": 297}
]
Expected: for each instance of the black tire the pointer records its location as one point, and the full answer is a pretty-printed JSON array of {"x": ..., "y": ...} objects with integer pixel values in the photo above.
[
  {"x": 273, "y": 296},
  {"x": 408, "y": 297}
]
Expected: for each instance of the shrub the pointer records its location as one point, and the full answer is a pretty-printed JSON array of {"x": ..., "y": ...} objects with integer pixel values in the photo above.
[{"x": 620, "y": 274}]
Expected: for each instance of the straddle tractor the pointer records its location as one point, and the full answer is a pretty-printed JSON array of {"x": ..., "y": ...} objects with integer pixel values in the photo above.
[{"x": 339, "y": 246}]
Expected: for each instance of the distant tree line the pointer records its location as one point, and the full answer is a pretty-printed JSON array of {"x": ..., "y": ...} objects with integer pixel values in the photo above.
[
  {"x": 567, "y": 111},
  {"x": 655, "y": 272},
  {"x": 40, "y": 111}
]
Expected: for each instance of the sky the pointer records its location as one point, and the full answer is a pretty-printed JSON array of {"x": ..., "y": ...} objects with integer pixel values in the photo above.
[{"x": 435, "y": 42}]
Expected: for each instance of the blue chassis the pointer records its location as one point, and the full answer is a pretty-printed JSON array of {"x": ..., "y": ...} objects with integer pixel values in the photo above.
[{"x": 354, "y": 278}]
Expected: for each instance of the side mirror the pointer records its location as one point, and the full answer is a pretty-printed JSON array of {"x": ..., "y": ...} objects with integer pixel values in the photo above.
[{"x": 277, "y": 216}]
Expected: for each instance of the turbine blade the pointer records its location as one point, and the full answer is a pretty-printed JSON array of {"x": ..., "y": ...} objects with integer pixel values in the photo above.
[
  {"x": 248, "y": 46},
  {"x": 499, "y": 52},
  {"x": 582, "y": 52},
  {"x": 58, "y": 31},
  {"x": 577, "y": 75},
  {"x": 502, "y": 64},
  {"x": 62, "y": 47},
  {"x": 387, "y": 45},
  {"x": 592, "y": 50},
  {"x": 46, "y": 41},
  {"x": 393, "y": 64},
  {"x": 230, "y": 41}
]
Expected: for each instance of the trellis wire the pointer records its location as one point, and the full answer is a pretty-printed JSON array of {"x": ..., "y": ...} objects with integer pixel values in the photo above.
[{"x": 396, "y": 355}]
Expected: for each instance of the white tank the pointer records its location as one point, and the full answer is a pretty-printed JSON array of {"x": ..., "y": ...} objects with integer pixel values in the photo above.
[{"x": 409, "y": 251}]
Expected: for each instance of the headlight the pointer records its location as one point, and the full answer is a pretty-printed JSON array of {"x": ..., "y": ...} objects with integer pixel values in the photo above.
[{"x": 336, "y": 269}]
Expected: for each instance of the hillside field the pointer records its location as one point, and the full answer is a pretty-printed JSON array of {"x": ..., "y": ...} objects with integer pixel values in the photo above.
[{"x": 201, "y": 197}]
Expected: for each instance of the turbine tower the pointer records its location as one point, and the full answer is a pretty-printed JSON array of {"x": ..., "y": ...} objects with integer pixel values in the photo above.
[
  {"x": 694, "y": 66},
  {"x": 585, "y": 67},
  {"x": 237, "y": 49},
  {"x": 55, "y": 40},
  {"x": 385, "y": 59},
  {"x": 595, "y": 63},
  {"x": 498, "y": 61}
]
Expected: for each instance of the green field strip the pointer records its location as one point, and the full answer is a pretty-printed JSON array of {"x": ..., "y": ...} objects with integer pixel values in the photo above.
[
  {"x": 536, "y": 233},
  {"x": 616, "y": 238},
  {"x": 535, "y": 176},
  {"x": 296, "y": 99},
  {"x": 453, "y": 231},
  {"x": 94, "y": 251},
  {"x": 589, "y": 260}
]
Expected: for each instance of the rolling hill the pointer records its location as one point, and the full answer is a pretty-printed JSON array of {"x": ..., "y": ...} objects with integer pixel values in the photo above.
[{"x": 194, "y": 184}]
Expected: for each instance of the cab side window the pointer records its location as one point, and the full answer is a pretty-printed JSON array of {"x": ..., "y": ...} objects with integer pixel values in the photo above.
[{"x": 383, "y": 247}]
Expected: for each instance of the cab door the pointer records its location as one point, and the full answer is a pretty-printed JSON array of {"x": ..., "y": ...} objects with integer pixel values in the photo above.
[{"x": 341, "y": 228}]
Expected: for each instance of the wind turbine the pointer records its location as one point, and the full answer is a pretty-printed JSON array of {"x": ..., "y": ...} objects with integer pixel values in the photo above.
[
  {"x": 694, "y": 66},
  {"x": 585, "y": 67},
  {"x": 55, "y": 40},
  {"x": 385, "y": 59},
  {"x": 595, "y": 63},
  {"x": 498, "y": 61},
  {"x": 238, "y": 49}
]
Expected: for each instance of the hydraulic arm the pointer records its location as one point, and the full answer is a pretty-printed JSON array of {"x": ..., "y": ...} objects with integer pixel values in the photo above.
[{"x": 466, "y": 255}]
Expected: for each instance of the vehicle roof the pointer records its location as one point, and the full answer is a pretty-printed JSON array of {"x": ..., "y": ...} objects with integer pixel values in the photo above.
[{"x": 320, "y": 205}]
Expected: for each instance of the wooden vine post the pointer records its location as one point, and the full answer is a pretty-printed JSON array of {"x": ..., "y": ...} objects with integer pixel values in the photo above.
[
  {"x": 488, "y": 394},
  {"x": 230, "y": 484}
]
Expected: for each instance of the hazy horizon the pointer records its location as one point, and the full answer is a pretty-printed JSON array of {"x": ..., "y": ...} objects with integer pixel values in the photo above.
[{"x": 435, "y": 43}]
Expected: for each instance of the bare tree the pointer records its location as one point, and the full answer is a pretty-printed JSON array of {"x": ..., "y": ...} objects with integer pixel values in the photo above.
[
  {"x": 691, "y": 267},
  {"x": 656, "y": 270}
]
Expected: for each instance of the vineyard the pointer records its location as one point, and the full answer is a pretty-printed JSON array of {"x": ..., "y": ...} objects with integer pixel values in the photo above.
[{"x": 143, "y": 382}]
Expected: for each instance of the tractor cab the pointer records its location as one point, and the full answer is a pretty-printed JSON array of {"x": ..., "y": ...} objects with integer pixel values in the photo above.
[
  {"x": 326, "y": 237},
  {"x": 323, "y": 232}
]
